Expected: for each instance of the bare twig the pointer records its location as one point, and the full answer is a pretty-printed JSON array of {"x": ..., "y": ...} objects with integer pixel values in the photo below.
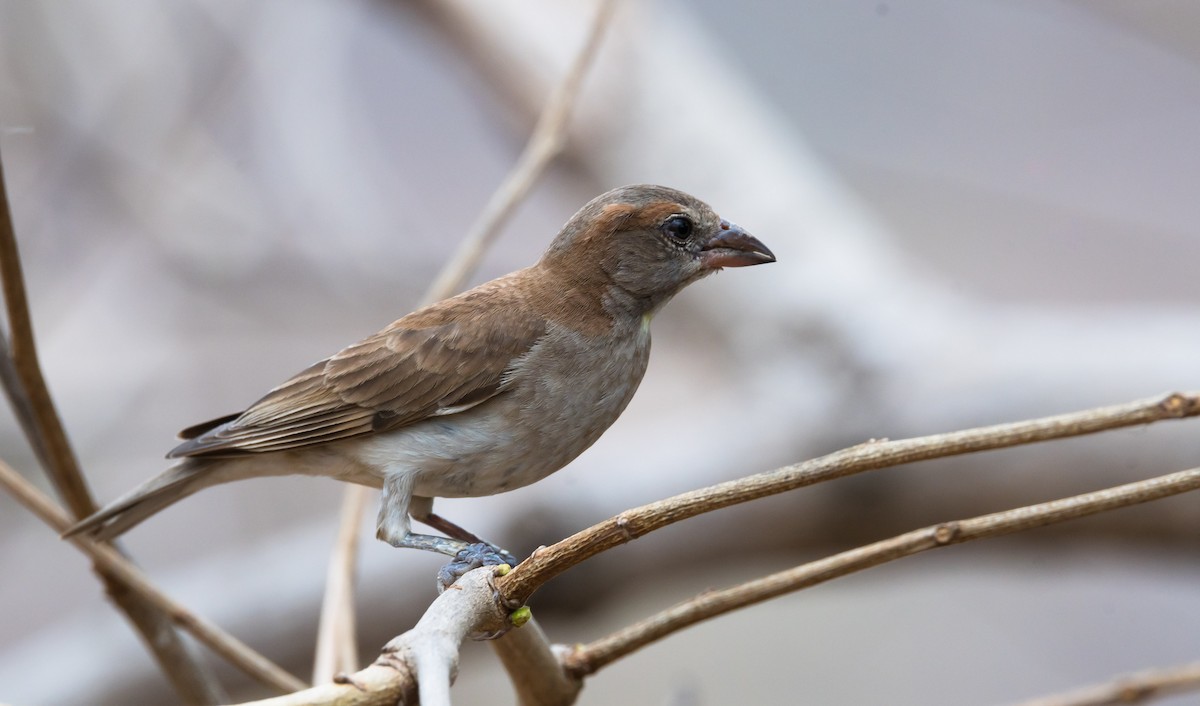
[
  {"x": 590, "y": 658},
  {"x": 22, "y": 409},
  {"x": 1132, "y": 689},
  {"x": 545, "y": 143},
  {"x": 21, "y": 374},
  {"x": 337, "y": 648},
  {"x": 50, "y": 437},
  {"x": 551, "y": 561},
  {"x": 115, "y": 565}
]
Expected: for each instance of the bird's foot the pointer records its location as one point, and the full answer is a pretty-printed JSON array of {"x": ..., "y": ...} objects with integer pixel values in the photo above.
[{"x": 471, "y": 557}]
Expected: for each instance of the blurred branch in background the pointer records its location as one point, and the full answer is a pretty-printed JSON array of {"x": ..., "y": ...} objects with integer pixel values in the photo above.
[
  {"x": 116, "y": 568},
  {"x": 27, "y": 392},
  {"x": 1143, "y": 686}
]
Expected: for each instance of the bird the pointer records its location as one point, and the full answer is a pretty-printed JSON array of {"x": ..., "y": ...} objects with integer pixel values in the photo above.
[{"x": 478, "y": 394}]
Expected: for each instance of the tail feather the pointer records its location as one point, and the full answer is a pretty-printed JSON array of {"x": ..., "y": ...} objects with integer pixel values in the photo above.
[{"x": 172, "y": 485}]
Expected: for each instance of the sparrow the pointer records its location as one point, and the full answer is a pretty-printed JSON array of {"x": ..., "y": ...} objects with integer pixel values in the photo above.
[{"x": 490, "y": 390}]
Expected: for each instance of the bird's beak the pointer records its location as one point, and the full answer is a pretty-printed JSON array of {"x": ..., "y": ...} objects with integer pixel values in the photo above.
[{"x": 734, "y": 247}]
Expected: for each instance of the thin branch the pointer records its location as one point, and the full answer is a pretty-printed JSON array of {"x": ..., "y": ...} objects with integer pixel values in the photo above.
[
  {"x": 337, "y": 648},
  {"x": 337, "y": 627},
  {"x": 118, "y": 567},
  {"x": 590, "y": 658},
  {"x": 545, "y": 143},
  {"x": 1132, "y": 689},
  {"x": 25, "y": 386},
  {"x": 61, "y": 466},
  {"x": 627, "y": 526},
  {"x": 22, "y": 409}
]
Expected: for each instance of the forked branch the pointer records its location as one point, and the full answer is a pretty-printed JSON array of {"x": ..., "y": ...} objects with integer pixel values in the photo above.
[
  {"x": 589, "y": 658},
  {"x": 872, "y": 455},
  {"x": 419, "y": 663},
  {"x": 119, "y": 569}
]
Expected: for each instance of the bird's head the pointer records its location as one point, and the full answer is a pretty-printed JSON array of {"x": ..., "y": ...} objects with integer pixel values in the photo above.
[{"x": 649, "y": 242}]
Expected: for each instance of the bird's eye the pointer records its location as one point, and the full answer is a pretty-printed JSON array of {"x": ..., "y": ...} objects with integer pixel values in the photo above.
[{"x": 678, "y": 227}]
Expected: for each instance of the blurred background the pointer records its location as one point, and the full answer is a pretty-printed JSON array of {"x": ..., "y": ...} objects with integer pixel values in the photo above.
[{"x": 982, "y": 212}]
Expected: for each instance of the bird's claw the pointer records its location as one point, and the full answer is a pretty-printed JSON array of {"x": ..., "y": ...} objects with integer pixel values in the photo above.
[{"x": 471, "y": 557}]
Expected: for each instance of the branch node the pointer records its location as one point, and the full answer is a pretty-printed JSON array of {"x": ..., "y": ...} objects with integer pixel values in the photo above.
[
  {"x": 873, "y": 441},
  {"x": 1178, "y": 405},
  {"x": 1133, "y": 693},
  {"x": 573, "y": 659},
  {"x": 343, "y": 678},
  {"x": 946, "y": 532},
  {"x": 624, "y": 526}
]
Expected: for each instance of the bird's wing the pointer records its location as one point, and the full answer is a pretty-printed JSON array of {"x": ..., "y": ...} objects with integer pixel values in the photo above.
[{"x": 439, "y": 360}]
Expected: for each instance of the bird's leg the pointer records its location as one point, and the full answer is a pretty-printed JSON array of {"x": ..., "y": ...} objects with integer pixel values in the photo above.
[
  {"x": 394, "y": 528},
  {"x": 393, "y": 524},
  {"x": 445, "y": 526}
]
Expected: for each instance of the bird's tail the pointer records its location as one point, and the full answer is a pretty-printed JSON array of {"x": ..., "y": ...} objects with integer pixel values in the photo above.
[{"x": 174, "y": 484}]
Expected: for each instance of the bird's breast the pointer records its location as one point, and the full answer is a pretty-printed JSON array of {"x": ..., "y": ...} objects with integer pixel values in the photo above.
[
  {"x": 556, "y": 401},
  {"x": 572, "y": 386}
]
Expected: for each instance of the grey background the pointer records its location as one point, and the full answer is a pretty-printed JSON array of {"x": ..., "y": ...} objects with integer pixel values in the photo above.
[{"x": 212, "y": 195}]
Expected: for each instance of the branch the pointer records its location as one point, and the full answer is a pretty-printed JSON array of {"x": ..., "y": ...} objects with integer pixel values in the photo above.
[
  {"x": 590, "y": 658},
  {"x": 337, "y": 647},
  {"x": 422, "y": 659},
  {"x": 545, "y": 143},
  {"x": 22, "y": 409},
  {"x": 536, "y": 670},
  {"x": 1131, "y": 689},
  {"x": 50, "y": 439},
  {"x": 25, "y": 386},
  {"x": 551, "y": 561},
  {"x": 134, "y": 583}
]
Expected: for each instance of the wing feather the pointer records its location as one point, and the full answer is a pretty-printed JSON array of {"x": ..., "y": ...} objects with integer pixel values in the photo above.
[{"x": 440, "y": 360}]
